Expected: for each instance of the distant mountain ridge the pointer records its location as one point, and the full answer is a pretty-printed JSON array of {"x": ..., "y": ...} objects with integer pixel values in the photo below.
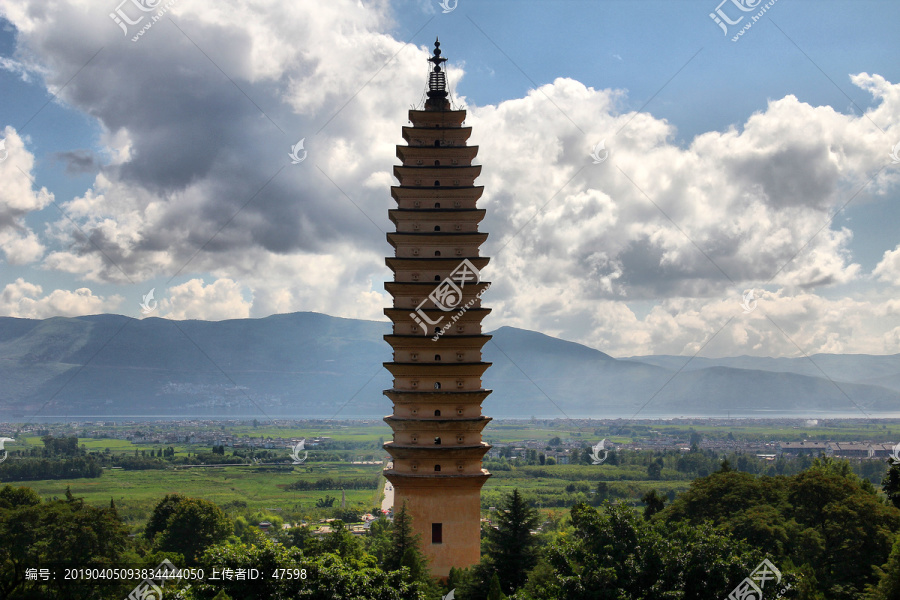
[{"x": 310, "y": 365}]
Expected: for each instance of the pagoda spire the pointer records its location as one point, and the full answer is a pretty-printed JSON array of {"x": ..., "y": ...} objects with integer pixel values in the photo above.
[{"x": 437, "y": 81}]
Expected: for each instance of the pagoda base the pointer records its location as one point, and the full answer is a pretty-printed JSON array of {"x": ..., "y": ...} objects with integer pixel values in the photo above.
[{"x": 455, "y": 508}]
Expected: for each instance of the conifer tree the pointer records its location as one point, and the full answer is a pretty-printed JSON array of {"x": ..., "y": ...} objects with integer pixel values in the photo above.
[
  {"x": 511, "y": 547},
  {"x": 404, "y": 549}
]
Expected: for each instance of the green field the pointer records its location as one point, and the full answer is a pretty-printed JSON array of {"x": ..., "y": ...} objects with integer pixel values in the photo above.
[
  {"x": 137, "y": 492},
  {"x": 260, "y": 488}
]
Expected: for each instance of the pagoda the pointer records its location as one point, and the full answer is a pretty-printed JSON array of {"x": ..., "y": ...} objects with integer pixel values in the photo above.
[{"x": 436, "y": 338}]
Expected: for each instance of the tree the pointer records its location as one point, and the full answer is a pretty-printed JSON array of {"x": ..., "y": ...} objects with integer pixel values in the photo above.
[
  {"x": 494, "y": 592},
  {"x": 695, "y": 439},
  {"x": 511, "y": 547},
  {"x": 890, "y": 485},
  {"x": 823, "y": 517},
  {"x": 341, "y": 542},
  {"x": 654, "y": 503},
  {"x": 65, "y": 533},
  {"x": 614, "y": 553},
  {"x": 888, "y": 586},
  {"x": 327, "y": 576},
  {"x": 192, "y": 526},
  {"x": 654, "y": 471},
  {"x": 160, "y": 515},
  {"x": 404, "y": 550}
]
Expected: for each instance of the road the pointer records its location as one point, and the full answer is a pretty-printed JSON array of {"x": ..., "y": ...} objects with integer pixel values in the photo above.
[{"x": 388, "y": 501}]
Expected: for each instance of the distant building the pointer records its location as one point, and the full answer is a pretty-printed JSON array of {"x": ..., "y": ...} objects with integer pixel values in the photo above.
[
  {"x": 852, "y": 450},
  {"x": 883, "y": 450},
  {"x": 805, "y": 447}
]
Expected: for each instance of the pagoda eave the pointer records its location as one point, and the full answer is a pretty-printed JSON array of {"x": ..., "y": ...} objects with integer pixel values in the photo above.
[
  {"x": 445, "y": 342},
  {"x": 410, "y": 238},
  {"x": 449, "y": 263},
  {"x": 432, "y": 193},
  {"x": 456, "y": 424},
  {"x": 475, "y": 369},
  {"x": 411, "y": 154},
  {"x": 437, "y": 171},
  {"x": 435, "y": 452},
  {"x": 401, "y": 315},
  {"x": 437, "y": 396},
  {"x": 437, "y": 118},
  {"x": 427, "y": 136},
  {"x": 437, "y": 481}
]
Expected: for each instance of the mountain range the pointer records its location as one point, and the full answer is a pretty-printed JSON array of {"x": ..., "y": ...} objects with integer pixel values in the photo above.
[{"x": 310, "y": 365}]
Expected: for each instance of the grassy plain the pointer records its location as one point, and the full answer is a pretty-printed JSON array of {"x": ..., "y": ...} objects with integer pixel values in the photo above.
[{"x": 262, "y": 488}]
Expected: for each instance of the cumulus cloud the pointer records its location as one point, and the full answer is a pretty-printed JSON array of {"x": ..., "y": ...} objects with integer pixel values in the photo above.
[
  {"x": 888, "y": 269},
  {"x": 26, "y": 300},
  {"x": 197, "y": 121},
  {"x": 18, "y": 197},
  {"x": 222, "y": 299}
]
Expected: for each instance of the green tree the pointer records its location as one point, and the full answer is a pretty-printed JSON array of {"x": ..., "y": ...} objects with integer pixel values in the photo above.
[
  {"x": 327, "y": 576},
  {"x": 653, "y": 502},
  {"x": 193, "y": 526},
  {"x": 341, "y": 542},
  {"x": 614, "y": 553},
  {"x": 404, "y": 550},
  {"x": 63, "y": 534},
  {"x": 161, "y": 513},
  {"x": 326, "y": 502},
  {"x": 494, "y": 592},
  {"x": 825, "y": 517},
  {"x": 511, "y": 547},
  {"x": 890, "y": 485},
  {"x": 888, "y": 586},
  {"x": 378, "y": 538}
]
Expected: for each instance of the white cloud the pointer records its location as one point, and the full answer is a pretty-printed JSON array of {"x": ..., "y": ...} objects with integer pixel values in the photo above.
[
  {"x": 222, "y": 299},
  {"x": 25, "y": 300},
  {"x": 888, "y": 269},
  {"x": 18, "y": 243},
  {"x": 199, "y": 182}
]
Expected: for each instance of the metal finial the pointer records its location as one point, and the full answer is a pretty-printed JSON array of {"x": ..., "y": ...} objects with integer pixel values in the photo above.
[
  {"x": 437, "y": 59},
  {"x": 437, "y": 82}
]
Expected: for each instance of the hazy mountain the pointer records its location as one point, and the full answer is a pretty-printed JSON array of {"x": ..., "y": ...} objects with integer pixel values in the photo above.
[
  {"x": 859, "y": 368},
  {"x": 308, "y": 365}
]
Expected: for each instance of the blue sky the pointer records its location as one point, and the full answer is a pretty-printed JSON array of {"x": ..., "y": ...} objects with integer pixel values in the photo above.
[{"x": 154, "y": 146}]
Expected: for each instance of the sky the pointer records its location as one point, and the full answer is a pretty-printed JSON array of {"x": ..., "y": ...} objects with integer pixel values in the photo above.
[{"x": 746, "y": 202}]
